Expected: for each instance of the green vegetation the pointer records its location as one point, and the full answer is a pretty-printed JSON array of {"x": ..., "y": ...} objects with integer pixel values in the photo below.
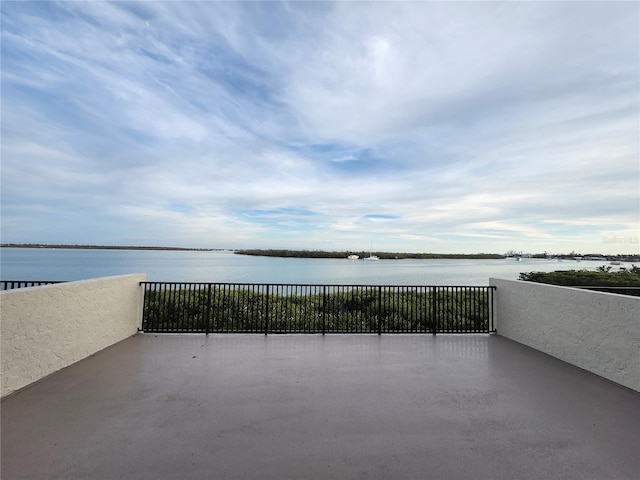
[
  {"x": 356, "y": 310},
  {"x": 603, "y": 277},
  {"x": 363, "y": 254}
]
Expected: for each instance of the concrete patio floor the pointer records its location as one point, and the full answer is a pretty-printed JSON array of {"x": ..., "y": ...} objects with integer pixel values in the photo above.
[{"x": 313, "y": 407}]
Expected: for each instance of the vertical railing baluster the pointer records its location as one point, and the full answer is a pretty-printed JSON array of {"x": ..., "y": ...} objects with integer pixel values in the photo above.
[
  {"x": 426, "y": 313},
  {"x": 169, "y": 312},
  {"x": 222, "y": 306},
  {"x": 246, "y": 306},
  {"x": 176, "y": 306},
  {"x": 433, "y": 311},
  {"x": 164, "y": 299},
  {"x": 484, "y": 300},
  {"x": 413, "y": 295},
  {"x": 191, "y": 308},
  {"x": 379, "y": 310},
  {"x": 324, "y": 303},
  {"x": 207, "y": 313},
  {"x": 183, "y": 295},
  {"x": 145, "y": 308},
  {"x": 159, "y": 305},
  {"x": 470, "y": 302},
  {"x": 176, "y": 300},
  {"x": 160, "y": 301},
  {"x": 256, "y": 312},
  {"x": 186, "y": 305},
  {"x": 466, "y": 309},
  {"x": 266, "y": 313},
  {"x": 490, "y": 304}
]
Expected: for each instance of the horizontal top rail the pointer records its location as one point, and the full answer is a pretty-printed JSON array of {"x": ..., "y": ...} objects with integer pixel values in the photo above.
[
  {"x": 43, "y": 282},
  {"x": 342, "y": 285},
  {"x": 629, "y": 291},
  {"x": 621, "y": 287},
  {"x": 15, "y": 284}
]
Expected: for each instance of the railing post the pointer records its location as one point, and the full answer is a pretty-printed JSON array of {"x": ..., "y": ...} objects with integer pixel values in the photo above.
[
  {"x": 379, "y": 310},
  {"x": 207, "y": 317},
  {"x": 144, "y": 304},
  {"x": 433, "y": 311},
  {"x": 266, "y": 320},
  {"x": 324, "y": 305},
  {"x": 490, "y": 292}
]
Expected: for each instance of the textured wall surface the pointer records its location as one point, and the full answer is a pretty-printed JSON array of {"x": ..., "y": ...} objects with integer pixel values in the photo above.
[
  {"x": 48, "y": 328},
  {"x": 597, "y": 331}
]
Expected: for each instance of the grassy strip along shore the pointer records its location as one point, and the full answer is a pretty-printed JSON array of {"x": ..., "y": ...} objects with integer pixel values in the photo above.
[{"x": 363, "y": 254}]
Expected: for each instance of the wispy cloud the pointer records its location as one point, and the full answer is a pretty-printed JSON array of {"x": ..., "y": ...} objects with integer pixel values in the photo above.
[{"x": 421, "y": 126}]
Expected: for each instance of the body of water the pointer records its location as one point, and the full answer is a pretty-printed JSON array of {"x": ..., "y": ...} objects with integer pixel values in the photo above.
[{"x": 224, "y": 266}]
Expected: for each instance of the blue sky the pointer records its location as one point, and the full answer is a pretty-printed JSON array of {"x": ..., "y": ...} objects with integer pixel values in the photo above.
[{"x": 406, "y": 126}]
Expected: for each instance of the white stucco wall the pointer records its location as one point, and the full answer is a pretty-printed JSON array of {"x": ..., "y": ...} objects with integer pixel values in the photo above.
[
  {"x": 48, "y": 328},
  {"x": 596, "y": 331}
]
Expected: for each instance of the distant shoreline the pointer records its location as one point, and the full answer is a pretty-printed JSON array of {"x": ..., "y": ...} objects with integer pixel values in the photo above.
[
  {"x": 362, "y": 254},
  {"x": 104, "y": 247},
  {"x": 283, "y": 253}
]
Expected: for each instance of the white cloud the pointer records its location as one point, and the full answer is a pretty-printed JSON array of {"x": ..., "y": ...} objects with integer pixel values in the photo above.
[{"x": 446, "y": 125}]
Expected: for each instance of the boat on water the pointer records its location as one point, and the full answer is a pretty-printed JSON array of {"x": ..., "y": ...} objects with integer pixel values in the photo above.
[
  {"x": 371, "y": 256},
  {"x": 353, "y": 257}
]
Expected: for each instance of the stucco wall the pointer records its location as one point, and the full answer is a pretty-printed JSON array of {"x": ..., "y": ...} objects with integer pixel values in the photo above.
[
  {"x": 596, "y": 331},
  {"x": 48, "y": 328}
]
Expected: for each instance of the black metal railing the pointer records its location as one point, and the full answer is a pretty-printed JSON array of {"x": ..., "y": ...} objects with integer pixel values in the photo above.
[
  {"x": 174, "y": 307},
  {"x": 631, "y": 291},
  {"x": 12, "y": 284}
]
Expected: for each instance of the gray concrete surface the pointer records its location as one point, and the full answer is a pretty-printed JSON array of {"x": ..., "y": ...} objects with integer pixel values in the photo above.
[{"x": 312, "y": 407}]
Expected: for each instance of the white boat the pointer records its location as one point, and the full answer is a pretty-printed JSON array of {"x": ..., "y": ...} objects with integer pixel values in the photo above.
[
  {"x": 371, "y": 257},
  {"x": 353, "y": 257}
]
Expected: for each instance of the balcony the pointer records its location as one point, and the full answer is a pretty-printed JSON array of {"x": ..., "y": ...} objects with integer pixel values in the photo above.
[{"x": 334, "y": 406}]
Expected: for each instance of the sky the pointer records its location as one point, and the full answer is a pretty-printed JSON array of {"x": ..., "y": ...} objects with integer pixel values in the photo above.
[{"x": 447, "y": 127}]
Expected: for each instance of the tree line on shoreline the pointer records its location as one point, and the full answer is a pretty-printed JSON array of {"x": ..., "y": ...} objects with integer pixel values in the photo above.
[
  {"x": 362, "y": 254},
  {"x": 604, "y": 276}
]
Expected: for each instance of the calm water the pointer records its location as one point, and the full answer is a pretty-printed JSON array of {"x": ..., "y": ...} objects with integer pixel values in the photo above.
[{"x": 172, "y": 266}]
